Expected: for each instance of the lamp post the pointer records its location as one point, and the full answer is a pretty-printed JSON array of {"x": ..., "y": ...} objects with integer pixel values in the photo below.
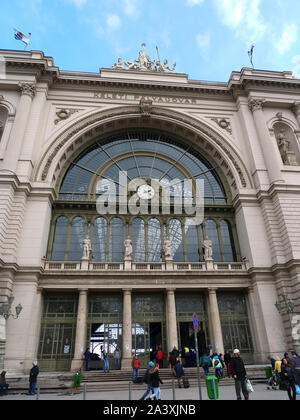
[
  {"x": 289, "y": 309},
  {"x": 5, "y": 313}
]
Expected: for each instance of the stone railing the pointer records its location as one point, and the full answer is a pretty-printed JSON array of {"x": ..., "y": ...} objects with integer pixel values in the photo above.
[{"x": 142, "y": 266}]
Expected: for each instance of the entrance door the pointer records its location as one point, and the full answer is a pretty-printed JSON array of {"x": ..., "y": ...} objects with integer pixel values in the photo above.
[
  {"x": 187, "y": 337},
  {"x": 155, "y": 337}
]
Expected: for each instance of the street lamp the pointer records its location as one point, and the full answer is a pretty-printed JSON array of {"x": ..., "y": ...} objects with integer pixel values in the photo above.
[
  {"x": 289, "y": 309},
  {"x": 5, "y": 309}
]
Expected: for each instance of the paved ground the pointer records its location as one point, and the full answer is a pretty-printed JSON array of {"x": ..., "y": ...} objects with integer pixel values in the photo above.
[{"x": 225, "y": 393}]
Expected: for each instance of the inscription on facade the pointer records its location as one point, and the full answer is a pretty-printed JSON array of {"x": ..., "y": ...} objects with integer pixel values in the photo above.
[{"x": 153, "y": 98}]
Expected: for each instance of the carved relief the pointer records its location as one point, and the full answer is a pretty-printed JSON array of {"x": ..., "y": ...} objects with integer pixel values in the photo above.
[
  {"x": 64, "y": 114},
  {"x": 145, "y": 107},
  {"x": 256, "y": 104},
  {"x": 27, "y": 89},
  {"x": 296, "y": 108},
  {"x": 223, "y": 123}
]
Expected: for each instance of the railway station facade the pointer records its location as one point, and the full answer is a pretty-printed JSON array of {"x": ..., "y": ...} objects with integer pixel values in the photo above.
[{"x": 65, "y": 138}]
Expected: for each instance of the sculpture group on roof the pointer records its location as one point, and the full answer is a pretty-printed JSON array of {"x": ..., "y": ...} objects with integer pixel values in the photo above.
[{"x": 144, "y": 63}]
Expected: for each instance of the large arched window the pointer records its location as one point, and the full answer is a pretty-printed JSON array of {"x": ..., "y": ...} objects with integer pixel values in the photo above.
[{"x": 118, "y": 161}]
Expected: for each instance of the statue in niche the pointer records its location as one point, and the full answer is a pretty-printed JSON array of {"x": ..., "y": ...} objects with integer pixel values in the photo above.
[
  {"x": 128, "y": 248},
  {"x": 86, "y": 248},
  {"x": 287, "y": 155},
  {"x": 168, "y": 249},
  {"x": 208, "y": 251}
]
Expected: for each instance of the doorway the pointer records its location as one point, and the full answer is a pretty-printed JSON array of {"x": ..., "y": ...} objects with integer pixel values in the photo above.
[{"x": 155, "y": 337}]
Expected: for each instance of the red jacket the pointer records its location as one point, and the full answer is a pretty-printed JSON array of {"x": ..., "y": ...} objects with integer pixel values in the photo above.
[
  {"x": 135, "y": 363},
  {"x": 159, "y": 355}
]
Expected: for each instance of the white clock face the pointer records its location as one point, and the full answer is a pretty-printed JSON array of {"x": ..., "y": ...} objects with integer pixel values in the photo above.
[{"x": 145, "y": 192}]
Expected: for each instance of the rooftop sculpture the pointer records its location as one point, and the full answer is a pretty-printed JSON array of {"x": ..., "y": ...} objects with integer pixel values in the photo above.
[{"x": 144, "y": 63}]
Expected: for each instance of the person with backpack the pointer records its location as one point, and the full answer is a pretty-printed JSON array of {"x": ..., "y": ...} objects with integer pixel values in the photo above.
[
  {"x": 155, "y": 380},
  {"x": 205, "y": 363},
  {"x": 135, "y": 368},
  {"x": 178, "y": 368},
  {"x": 147, "y": 381},
  {"x": 287, "y": 378},
  {"x": 160, "y": 357},
  {"x": 217, "y": 364}
]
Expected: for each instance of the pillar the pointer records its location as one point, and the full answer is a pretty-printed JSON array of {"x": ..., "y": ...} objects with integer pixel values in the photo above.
[
  {"x": 271, "y": 155},
  {"x": 126, "y": 331},
  {"x": 172, "y": 336},
  {"x": 34, "y": 332},
  {"x": 19, "y": 128},
  {"x": 215, "y": 322},
  {"x": 81, "y": 326}
]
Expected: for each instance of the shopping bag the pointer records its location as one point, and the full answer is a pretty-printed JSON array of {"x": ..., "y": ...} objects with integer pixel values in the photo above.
[
  {"x": 249, "y": 386},
  {"x": 297, "y": 389}
]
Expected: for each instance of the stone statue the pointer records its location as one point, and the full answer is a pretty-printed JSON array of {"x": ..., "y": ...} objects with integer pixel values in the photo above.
[
  {"x": 164, "y": 66},
  {"x": 128, "y": 248},
  {"x": 86, "y": 248},
  {"x": 120, "y": 64},
  {"x": 143, "y": 59},
  {"x": 284, "y": 146},
  {"x": 208, "y": 251},
  {"x": 287, "y": 155},
  {"x": 168, "y": 249}
]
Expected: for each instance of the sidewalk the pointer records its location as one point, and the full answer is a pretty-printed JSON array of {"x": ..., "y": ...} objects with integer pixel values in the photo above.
[{"x": 191, "y": 394}]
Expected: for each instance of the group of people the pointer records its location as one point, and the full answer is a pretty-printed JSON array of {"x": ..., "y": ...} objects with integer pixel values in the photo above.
[
  {"x": 286, "y": 373},
  {"x": 104, "y": 356},
  {"x": 153, "y": 381}
]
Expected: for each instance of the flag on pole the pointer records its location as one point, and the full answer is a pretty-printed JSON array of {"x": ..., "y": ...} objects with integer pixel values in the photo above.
[
  {"x": 250, "y": 53},
  {"x": 21, "y": 37}
]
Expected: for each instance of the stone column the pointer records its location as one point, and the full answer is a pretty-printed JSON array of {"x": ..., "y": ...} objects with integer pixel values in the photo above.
[
  {"x": 271, "y": 155},
  {"x": 215, "y": 321},
  {"x": 296, "y": 111},
  {"x": 172, "y": 336},
  {"x": 81, "y": 328},
  {"x": 19, "y": 128},
  {"x": 34, "y": 333},
  {"x": 126, "y": 331}
]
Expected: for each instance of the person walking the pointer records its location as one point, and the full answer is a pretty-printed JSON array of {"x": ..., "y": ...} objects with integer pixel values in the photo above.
[
  {"x": 217, "y": 364},
  {"x": 105, "y": 360},
  {"x": 159, "y": 356},
  {"x": 34, "y": 371},
  {"x": 155, "y": 380},
  {"x": 147, "y": 381},
  {"x": 179, "y": 371},
  {"x": 295, "y": 359},
  {"x": 135, "y": 368},
  {"x": 172, "y": 363},
  {"x": 117, "y": 358},
  {"x": 239, "y": 374},
  {"x": 3, "y": 384},
  {"x": 205, "y": 363},
  {"x": 287, "y": 378},
  {"x": 227, "y": 359},
  {"x": 87, "y": 358}
]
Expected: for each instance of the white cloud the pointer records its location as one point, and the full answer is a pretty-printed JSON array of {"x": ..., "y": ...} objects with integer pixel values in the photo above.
[
  {"x": 244, "y": 17},
  {"x": 203, "y": 42},
  {"x": 130, "y": 8},
  {"x": 288, "y": 37},
  {"x": 113, "y": 21},
  {"x": 192, "y": 3}
]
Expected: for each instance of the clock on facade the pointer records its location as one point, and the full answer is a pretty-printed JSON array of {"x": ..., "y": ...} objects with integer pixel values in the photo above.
[{"x": 146, "y": 192}]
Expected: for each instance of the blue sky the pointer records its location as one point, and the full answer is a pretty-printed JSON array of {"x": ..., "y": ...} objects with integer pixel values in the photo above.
[{"x": 208, "y": 39}]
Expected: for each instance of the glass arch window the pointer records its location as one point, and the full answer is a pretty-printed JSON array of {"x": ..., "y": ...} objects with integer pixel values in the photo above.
[
  {"x": 192, "y": 242},
  {"x": 154, "y": 241},
  {"x": 138, "y": 240},
  {"x": 175, "y": 234},
  {"x": 228, "y": 242},
  {"x": 212, "y": 234}
]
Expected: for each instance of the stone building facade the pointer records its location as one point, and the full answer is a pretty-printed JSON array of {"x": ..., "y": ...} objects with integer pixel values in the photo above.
[{"x": 64, "y": 134}]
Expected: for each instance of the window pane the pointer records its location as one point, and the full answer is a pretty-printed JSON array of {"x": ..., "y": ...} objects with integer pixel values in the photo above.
[
  {"x": 76, "y": 239},
  {"x": 99, "y": 239},
  {"x": 192, "y": 243},
  {"x": 228, "y": 243},
  {"x": 154, "y": 241},
  {"x": 175, "y": 233},
  {"x": 138, "y": 240},
  {"x": 116, "y": 240},
  {"x": 60, "y": 239}
]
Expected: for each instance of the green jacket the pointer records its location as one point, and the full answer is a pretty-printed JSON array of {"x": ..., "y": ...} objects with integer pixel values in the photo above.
[{"x": 205, "y": 361}]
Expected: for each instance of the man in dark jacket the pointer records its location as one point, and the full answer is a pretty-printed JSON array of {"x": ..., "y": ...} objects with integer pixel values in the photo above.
[
  {"x": 147, "y": 378},
  {"x": 239, "y": 374},
  {"x": 34, "y": 371}
]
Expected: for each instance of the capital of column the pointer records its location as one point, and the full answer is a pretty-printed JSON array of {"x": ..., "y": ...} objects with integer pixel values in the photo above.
[
  {"x": 212, "y": 290},
  {"x": 256, "y": 104},
  {"x": 27, "y": 89},
  {"x": 127, "y": 291},
  {"x": 296, "y": 108}
]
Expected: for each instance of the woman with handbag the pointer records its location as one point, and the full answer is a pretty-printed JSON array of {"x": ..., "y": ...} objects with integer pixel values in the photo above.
[{"x": 287, "y": 379}]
